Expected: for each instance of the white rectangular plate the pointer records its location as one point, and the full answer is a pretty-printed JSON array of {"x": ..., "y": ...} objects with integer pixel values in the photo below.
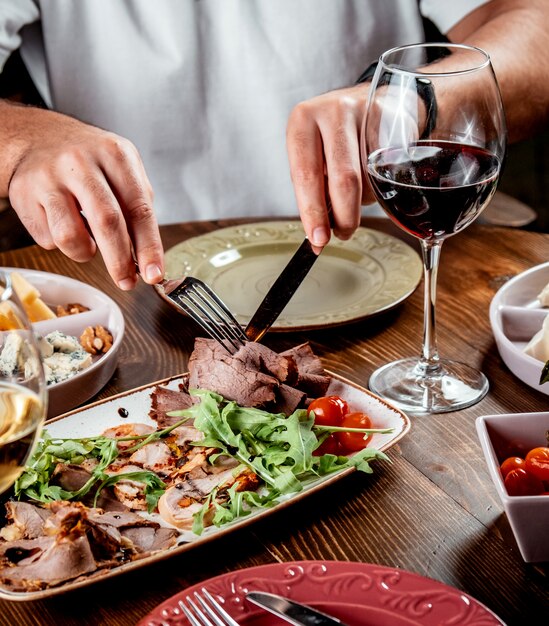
[{"x": 95, "y": 418}]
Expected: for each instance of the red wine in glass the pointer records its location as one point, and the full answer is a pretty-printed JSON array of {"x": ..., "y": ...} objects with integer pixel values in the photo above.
[
  {"x": 432, "y": 145},
  {"x": 433, "y": 189}
]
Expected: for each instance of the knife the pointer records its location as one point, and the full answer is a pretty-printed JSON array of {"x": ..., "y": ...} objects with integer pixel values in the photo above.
[
  {"x": 281, "y": 291},
  {"x": 293, "y": 274},
  {"x": 290, "y": 611}
]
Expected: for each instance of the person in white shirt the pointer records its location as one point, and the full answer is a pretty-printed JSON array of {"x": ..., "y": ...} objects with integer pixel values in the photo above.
[{"x": 203, "y": 101}]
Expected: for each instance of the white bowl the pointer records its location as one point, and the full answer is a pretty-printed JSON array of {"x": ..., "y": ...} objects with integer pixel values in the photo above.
[
  {"x": 514, "y": 434},
  {"x": 516, "y": 315},
  {"x": 57, "y": 289}
]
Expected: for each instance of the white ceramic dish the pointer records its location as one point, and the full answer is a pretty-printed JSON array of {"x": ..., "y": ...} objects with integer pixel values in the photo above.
[
  {"x": 514, "y": 434},
  {"x": 57, "y": 289},
  {"x": 516, "y": 315},
  {"x": 95, "y": 418}
]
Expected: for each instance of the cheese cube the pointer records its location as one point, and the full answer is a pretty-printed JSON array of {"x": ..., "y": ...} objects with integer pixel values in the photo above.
[
  {"x": 38, "y": 311},
  {"x": 26, "y": 292},
  {"x": 8, "y": 318}
]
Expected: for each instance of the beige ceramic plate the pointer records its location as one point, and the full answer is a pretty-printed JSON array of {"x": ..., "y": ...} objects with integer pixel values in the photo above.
[
  {"x": 351, "y": 280},
  {"x": 95, "y": 418}
]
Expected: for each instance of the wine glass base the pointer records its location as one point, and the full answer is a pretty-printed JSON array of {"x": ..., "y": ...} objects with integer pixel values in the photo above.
[{"x": 406, "y": 384}]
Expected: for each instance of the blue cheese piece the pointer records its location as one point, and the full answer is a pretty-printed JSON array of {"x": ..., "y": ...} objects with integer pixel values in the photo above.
[
  {"x": 11, "y": 357},
  {"x": 62, "y": 356},
  {"x": 45, "y": 347},
  {"x": 63, "y": 365},
  {"x": 63, "y": 343}
]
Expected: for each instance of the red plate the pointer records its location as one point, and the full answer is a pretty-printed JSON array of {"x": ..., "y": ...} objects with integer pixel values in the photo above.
[{"x": 359, "y": 594}]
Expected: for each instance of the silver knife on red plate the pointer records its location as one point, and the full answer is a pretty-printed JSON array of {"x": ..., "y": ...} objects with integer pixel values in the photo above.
[{"x": 291, "y": 611}]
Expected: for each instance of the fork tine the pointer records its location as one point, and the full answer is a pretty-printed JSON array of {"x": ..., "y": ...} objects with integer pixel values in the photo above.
[
  {"x": 218, "y": 309},
  {"x": 195, "y": 615},
  {"x": 214, "y": 609},
  {"x": 209, "y": 325},
  {"x": 229, "y": 317},
  {"x": 205, "y": 307},
  {"x": 209, "y": 613}
]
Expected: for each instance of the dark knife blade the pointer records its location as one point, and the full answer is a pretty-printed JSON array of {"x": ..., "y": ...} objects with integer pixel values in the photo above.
[
  {"x": 293, "y": 612},
  {"x": 281, "y": 291}
]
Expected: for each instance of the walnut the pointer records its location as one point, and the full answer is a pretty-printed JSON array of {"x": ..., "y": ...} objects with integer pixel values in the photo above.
[
  {"x": 70, "y": 309},
  {"x": 96, "y": 339}
]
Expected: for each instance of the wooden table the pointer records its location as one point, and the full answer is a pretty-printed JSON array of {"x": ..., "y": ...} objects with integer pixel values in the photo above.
[{"x": 434, "y": 510}]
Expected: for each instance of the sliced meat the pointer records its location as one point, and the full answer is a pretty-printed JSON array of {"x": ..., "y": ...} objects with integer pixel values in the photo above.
[
  {"x": 150, "y": 538},
  {"x": 196, "y": 457},
  {"x": 130, "y": 492},
  {"x": 256, "y": 376},
  {"x": 70, "y": 477},
  {"x": 184, "y": 435},
  {"x": 163, "y": 401},
  {"x": 233, "y": 377},
  {"x": 311, "y": 377},
  {"x": 305, "y": 359},
  {"x": 178, "y": 509},
  {"x": 180, "y": 503},
  {"x": 289, "y": 399},
  {"x": 155, "y": 456},
  {"x": 121, "y": 520},
  {"x": 23, "y": 551},
  {"x": 128, "y": 430},
  {"x": 260, "y": 357},
  {"x": 27, "y": 518},
  {"x": 73, "y": 477},
  {"x": 64, "y": 559},
  {"x": 78, "y": 541}
]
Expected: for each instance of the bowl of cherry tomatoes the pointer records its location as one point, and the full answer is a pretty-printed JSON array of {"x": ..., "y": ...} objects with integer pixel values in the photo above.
[{"x": 516, "y": 449}]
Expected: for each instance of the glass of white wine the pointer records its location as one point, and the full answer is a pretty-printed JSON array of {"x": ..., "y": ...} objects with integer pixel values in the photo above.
[{"x": 23, "y": 394}]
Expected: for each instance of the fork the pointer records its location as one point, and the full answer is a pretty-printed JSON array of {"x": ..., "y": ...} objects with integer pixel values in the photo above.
[
  {"x": 205, "y": 610},
  {"x": 203, "y": 305}
]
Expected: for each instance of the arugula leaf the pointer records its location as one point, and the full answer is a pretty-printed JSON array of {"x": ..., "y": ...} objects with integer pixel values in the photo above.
[
  {"x": 278, "y": 448},
  {"x": 154, "y": 486},
  {"x": 34, "y": 482}
]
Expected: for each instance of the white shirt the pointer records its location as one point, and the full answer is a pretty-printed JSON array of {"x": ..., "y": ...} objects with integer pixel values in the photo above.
[{"x": 204, "y": 88}]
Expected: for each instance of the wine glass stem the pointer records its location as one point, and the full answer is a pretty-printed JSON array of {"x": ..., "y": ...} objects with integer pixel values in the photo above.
[{"x": 429, "y": 362}]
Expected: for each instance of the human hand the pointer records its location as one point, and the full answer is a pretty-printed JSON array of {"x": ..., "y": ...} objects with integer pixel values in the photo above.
[
  {"x": 79, "y": 188},
  {"x": 323, "y": 141}
]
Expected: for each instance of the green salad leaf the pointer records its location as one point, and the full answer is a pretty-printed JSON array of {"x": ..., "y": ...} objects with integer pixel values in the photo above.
[
  {"x": 278, "y": 448},
  {"x": 35, "y": 483}
]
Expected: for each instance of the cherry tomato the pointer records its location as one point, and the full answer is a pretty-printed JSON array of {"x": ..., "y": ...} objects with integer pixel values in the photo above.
[
  {"x": 519, "y": 482},
  {"x": 354, "y": 441},
  {"x": 329, "y": 410},
  {"x": 511, "y": 463},
  {"x": 329, "y": 446},
  {"x": 537, "y": 463}
]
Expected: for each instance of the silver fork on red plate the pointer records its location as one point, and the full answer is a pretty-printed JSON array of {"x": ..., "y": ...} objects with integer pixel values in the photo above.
[{"x": 202, "y": 609}]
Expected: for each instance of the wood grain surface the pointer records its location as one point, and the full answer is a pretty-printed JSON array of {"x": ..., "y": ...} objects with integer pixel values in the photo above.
[{"x": 433, "y": 510}]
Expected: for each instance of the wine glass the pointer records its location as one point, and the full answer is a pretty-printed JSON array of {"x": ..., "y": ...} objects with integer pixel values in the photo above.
[
  {"x": 23, "y": 395},
  {"x": 432, "y": 146}
]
